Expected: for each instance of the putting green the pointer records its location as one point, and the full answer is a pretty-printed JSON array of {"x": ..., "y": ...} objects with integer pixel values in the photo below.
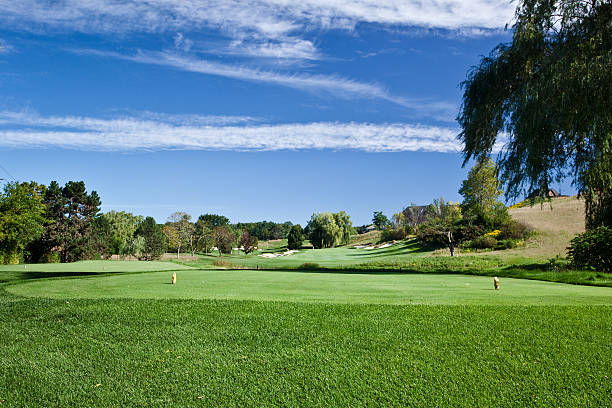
[{"x": 318, "y": 287}]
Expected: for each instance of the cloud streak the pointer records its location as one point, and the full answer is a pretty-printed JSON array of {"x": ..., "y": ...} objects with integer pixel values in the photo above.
[
  {"x": 332, "y": 84},
  {"x": 268, "y": 18},
  {"x": 28, "y": 130}
]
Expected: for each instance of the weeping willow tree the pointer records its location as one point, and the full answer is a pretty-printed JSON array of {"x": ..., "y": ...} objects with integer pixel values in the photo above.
[{"x": 546, "y": 97}]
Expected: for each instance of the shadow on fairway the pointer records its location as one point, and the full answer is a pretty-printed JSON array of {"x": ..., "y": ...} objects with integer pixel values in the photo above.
[{"x": 44, "y": 275}]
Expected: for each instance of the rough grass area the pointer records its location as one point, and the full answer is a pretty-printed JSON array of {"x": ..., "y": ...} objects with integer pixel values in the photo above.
[
  {"x": 557, "y": 221},
  {"x": 134, "y": 353},
  {"x": 386, "y": 288}
]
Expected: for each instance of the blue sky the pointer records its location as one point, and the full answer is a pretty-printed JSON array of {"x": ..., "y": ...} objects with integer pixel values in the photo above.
[{"x": 258, "y": 110}]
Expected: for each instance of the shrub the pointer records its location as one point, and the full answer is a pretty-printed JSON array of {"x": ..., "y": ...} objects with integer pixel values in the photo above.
[
  {"x": 592, "y": 249},
  {"x": 506, "y": 244},
  {"x": 515, "y": 230},
  {"x": 309, "y": 266},
  {"x": 484, "y": 242},
  {"x": 393, "y": 234},
  {"x": 296, "y": 237}
]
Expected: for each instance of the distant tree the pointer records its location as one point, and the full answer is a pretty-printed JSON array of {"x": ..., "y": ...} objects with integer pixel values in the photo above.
[
  {"x": 154, "y": 241},
  {"x": 547, "y": 95},
  {"x": 21, "y": 218},
  {"x": 224, "y": 239},
  {"x": 247, "y": 242},
  {"x": 414, "y": 215},
  {"x": 100, "y": 240},
  {"x": 71, "y": 211},
  {"x": 441, "y": 227},
  {"x": 296, "y": 237},
  {"x": 380, "y": 220},
  {"x": 343, "y": 220},
  {"x": 204, "y": 236},
  {"x": 480, "y": 193},
  {"x": 172, "y": 238},
  {"x": 123, "y": 226},
  {"x": 184, "y": 228},
  {"x": 213, "y": 220},
  {"x": 327, "y": 230}
]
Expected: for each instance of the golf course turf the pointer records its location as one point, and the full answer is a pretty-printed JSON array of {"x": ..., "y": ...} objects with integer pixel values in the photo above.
[{"x": 291, "y": 338}]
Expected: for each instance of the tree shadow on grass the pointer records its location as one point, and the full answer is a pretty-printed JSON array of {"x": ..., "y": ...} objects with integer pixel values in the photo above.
[{"x": 45, "y": 275}]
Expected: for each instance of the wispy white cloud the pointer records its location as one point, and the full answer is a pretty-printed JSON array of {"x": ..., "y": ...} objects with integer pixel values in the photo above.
[
  {"x": 270, "y": 18},
  {"x": 29, "y": 130},
  {"x": 335, "y": 85},
  {"x": 263, "y": 28}
]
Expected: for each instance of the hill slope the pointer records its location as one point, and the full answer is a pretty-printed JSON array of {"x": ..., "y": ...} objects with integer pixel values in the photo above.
[{"x": 556, "y": 222}]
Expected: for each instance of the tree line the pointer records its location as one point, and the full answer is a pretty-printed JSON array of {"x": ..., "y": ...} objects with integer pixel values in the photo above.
[{"x": 56, "y": 223}]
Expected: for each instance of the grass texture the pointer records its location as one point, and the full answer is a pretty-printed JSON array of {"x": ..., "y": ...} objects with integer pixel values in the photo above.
[
  {"x": 382, "y": 288},
  {"x": 159, "y": 353}
]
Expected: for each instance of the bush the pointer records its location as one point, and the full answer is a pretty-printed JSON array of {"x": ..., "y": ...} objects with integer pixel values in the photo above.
[
  {"x": 515, "y": 230},
  {"x": 296, "y": 237},
  {"x": 592, "y": 249},
  {"x": 309, "y": 266},
  {"x": 393, "y": 234},
  {"x": 484, "y": 242},
  {"x": 506, "y": 244}
]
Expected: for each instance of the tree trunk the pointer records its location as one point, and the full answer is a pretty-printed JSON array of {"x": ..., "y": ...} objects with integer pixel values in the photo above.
[{"x": 451, "y": 243}]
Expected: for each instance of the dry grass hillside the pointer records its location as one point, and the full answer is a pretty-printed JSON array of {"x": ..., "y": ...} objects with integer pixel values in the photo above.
[{"x": 556, "y": 221}]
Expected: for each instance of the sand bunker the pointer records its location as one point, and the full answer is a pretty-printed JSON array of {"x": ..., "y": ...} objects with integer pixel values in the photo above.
[
  {"x": 277, "y": 254},
  {"x": 379, "y": 246}
]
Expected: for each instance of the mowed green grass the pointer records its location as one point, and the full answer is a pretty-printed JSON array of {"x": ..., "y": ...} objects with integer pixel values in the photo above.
[
  {"x": 128, "y": 338},
  {"x": 390, "y": 288},
  {"x": 159, "y": 353}
]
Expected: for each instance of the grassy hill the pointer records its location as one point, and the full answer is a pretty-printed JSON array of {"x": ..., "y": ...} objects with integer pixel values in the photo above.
[{"x": 556, "y": 223}]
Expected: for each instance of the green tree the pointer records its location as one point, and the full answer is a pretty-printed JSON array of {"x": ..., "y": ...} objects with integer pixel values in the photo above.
[
  {"x": 184, "y": 228},
  {"x": 224, "y": 239},
  {"x": 123, "y": 226},
  {"x": 295, "y": 237},
  {"x": 480, "y": 193},
  {"x": 71, "y": 211},
  {"x": 549, "y": 93},
  {"x": 21, "y": 218},
  {"x": 247, "y": 242},
  {"x": 213, "y": 220},
  {"x": 204, "y": 236},
  {"x": 171, "y": 236},
  {"x": 380, "y": 220},
  {"x": 154, "y": 239},
  {"x": 441, "y": 227},
  {"x": 326, "y": 230}
]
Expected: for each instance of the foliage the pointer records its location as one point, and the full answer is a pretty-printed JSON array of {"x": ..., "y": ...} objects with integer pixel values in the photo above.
[
  {"x": 480, "y": 193},
  {"x": 184, "y": 229},
  {"x": 213, "y": 220},
  {"x": 247, "y": 242},
  {"x": 515, "y": 230},
  {"x": 413, "y": 216},
  {"x": 380, "y": 220},
  {"x": 296, "y": 237},
  {"x": 326, "y": 230},
  {"x": 440, "y": 230},
  {"x": 171, "y": 236},
  {"x": 265, "y": 230},
  {"x": 549, "y": 92},
  {"x": 71, "y": 211},
  {"x": 392, "y": 234},
  {"x": 592, "y": 249},
  {"x": 154, "y": 244},
  {"x": 203, "y": 235},
  {"x": 225, "y": 239},
  {"x": 21, "y": 218},
  {"x": 123, "y": 226}
]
